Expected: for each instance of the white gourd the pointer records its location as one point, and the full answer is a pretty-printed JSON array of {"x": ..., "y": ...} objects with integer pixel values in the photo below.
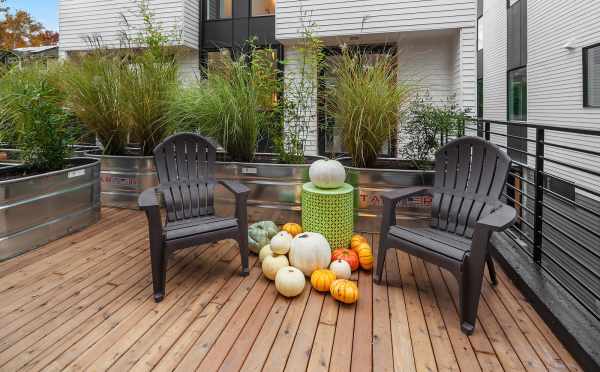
[
  {"x": 341, "y": 269},
  {"x": 327, "y": 174},
  {"x": 264, "y": 252},
  {"x": 272, "y": 264},
  {"x": 309, "y": 252},
  {"x": 281, "y": 242},
  {"x": 290, "y": 281}
]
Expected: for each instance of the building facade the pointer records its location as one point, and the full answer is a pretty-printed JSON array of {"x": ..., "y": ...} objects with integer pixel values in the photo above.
[
  {"x": 435, "y": 42},
  {"x": 539, "y": 62}
]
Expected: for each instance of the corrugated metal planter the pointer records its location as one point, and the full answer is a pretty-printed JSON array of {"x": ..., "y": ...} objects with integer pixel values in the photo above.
[
  {"x": 370, "y": 183},
  {"x": 38, "y": 209},
  {"x": 275, "y": 189},
  {"x": 123, "y": 178}
]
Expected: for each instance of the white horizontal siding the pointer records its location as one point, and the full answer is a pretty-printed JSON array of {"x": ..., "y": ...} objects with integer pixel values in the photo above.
[
  {"x": 555, "y": 80},
  {"x": 365, "y": 17},
  {"x": 79, "y": 19}
]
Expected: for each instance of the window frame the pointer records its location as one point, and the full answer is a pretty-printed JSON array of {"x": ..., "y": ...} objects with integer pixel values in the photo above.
[
  {"x": 584, "y": 55},
  {"x": 323, "y": 133},
  {"x": 508, "y": 92}
]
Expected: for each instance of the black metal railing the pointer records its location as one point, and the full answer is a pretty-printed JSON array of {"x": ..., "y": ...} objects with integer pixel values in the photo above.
[{"x": 554, "y": 184}]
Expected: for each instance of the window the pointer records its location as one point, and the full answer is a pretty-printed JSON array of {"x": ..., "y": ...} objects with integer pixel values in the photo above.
[
  {"x": 517, "y": 94},
  {"x": 480, "y": 33},
  {"x": 263, "y": 7},
  {"x": 591, "y": 76},
  {"x": 218, "y": 9},
  {"x": 330, "y": 136}
]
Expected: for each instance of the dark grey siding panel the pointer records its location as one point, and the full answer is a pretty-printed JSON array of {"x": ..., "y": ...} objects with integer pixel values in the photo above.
[
  {"x": 517, "y": 35},
  {"x": 241, "y": 8},
  {"x": 240, "y": 32},
  {"x": 263, "y": 28},
  {"x": 218, "y": 34},
  {"x": 479, "y": 8}
]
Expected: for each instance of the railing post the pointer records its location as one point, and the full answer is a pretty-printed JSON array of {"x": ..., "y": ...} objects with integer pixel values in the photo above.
[
  {"x": 539, "y": 195},
  {"x": 487, "y": 131}
]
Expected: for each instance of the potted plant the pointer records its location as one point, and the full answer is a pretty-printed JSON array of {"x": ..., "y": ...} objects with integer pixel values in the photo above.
[
  {"x": 50, "y": 194},
  {"x": 369, "y": 106},
  {"x": 239, "y": 105},
  {"x": 122, "y": 96}
]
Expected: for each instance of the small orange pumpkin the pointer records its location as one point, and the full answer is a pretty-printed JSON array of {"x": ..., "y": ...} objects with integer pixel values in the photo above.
[
  {"x": 347, "y": 255},
  {"x": 365, "y": 256},
  {"x": 293, "y": 228},
  {"x": 357, "y": 240},
  {"x": 321, "y": 279},
  {"x": 344, "y": 291}
]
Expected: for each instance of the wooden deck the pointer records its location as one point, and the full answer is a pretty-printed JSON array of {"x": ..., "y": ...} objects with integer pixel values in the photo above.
[{"x": 84, "y": 303}]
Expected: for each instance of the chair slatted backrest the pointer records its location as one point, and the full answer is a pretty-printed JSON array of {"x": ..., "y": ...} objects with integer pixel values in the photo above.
[
  {"x": 185, "y": 166},
  {"x": 470, "y": 174}
]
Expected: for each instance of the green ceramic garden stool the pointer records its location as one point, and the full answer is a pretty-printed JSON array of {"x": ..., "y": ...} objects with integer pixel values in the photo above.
[{"x": 329, "y": 212}]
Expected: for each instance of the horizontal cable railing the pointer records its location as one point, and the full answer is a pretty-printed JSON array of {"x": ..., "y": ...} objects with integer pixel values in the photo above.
[{"x": 554, "y": 184}]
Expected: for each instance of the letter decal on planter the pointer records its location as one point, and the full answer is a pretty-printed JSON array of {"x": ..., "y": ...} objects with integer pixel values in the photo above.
[{"x": 76, "y": 173}]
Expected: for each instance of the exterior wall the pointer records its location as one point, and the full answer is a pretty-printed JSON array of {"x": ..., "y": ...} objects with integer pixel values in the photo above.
[
  {"x": 82, "y": 18},
  {"x": 364, "y": 17},
  {"x": 440, "y": 62},
  {"x": 554, "y": 76}
]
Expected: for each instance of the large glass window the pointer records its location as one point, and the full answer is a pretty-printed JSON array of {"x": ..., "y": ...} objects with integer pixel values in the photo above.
[
  {"x": 218, "y": 9},
  {"x": 517, "y": 94},
  {"x": 330, "y": 135},
  {"x": 591, "y": 78},
  {"x": 263, "y": 7}
]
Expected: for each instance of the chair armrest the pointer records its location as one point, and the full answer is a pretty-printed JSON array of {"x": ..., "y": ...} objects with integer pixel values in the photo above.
[
  {"x": 396, "y": 195},
  {"x": 235, "y": 187},
  {"x": 148, "y": 199},
  {"x": 498, "y": 220}
]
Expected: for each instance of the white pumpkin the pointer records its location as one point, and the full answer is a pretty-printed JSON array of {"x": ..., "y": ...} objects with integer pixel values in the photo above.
[
  {"x": 341, "y": 269},
  {"x": 272, "y": 264},
  {"x": 327, "y": 174},
  {"x": 264, "y": 252},
  {"x": 309, "y": 252},
  {"x": 281, "y": 242},
  {"x": 289, "y": 281}
]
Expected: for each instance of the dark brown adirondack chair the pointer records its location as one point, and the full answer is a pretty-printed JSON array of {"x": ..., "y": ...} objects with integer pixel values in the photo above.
[
  {"x": 185, "y": 165},
  {"x": 470, "y": 174}
]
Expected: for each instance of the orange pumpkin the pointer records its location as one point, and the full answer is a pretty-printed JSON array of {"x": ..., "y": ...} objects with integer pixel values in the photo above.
[
  {"x": 292, "y": 228},
  {"x": 365, "y": 256},
  {"x": 344, "y": 291},
  {"x": 357, "y": 240},
  {"x": 347, "y": 255},
  {"x": 321, "y": 279}
]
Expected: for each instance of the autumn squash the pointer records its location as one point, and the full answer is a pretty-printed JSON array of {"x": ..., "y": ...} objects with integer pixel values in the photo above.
[
  {"x": 309, "y": 252},
  {"x": 344, "y": 291},
  {"x": 327, "y": 174},
  {"x": 356, "y": 241},
  {"x": 365, "y": 256},
  {"x": 272, "y": 264},
  {"x": 281, "y": 242},
  {"x": 259, "y": 234},
  {"x": 290, "y": 281},
  {"x": 293, "y": 228},
  {"x": 347, "y": 255},
  {"x": 264, "y": 252},
  {"x": 321, "y": 279},
  {"x": 341, "y": 269}
]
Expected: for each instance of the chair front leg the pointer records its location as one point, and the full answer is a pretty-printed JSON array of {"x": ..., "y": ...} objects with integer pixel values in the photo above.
[
  {"x": 388, "y": 219},
  {"x": 492, "y": 269},
  {"x": 471, "y": 281},
  {"x": 242, "y": 216}
]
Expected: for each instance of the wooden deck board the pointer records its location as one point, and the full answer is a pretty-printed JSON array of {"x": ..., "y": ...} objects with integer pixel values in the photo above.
[{"x": 85, "y": 303}]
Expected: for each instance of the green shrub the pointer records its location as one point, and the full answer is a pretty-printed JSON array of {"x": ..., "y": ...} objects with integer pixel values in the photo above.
[
  {"x": 234, "y": 105},
  {"x": 427, "y": 126},
  {"x": 366, "y": 102},
  {"x": 32, "y": 115}
]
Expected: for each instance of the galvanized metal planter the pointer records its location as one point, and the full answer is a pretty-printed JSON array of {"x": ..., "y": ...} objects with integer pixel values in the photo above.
[
  {"x": 275, "y": 189},
  {"x": 370, "y": 183},
  {"x": 123, "y": 178},
  {"x": 38, "y": 209}
]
